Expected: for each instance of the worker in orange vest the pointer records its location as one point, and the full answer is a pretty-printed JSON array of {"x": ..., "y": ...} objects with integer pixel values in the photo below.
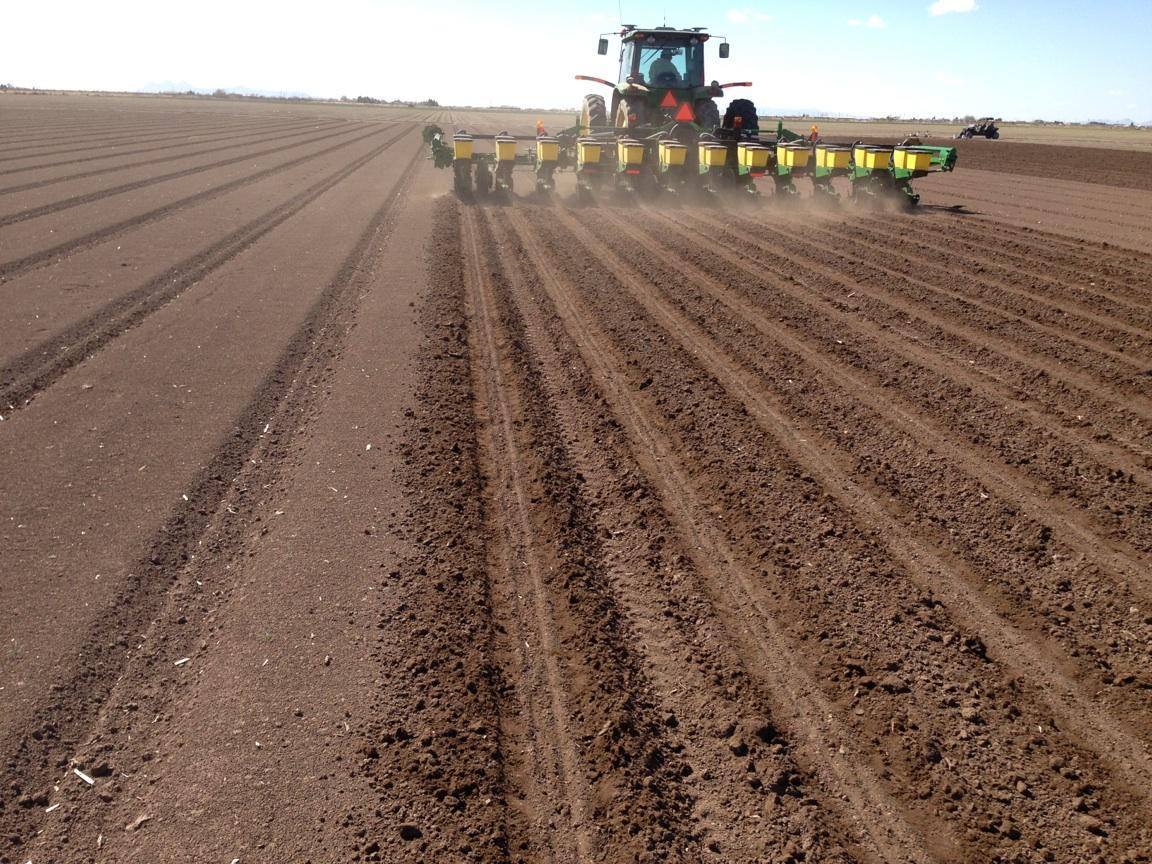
[{"x": 815, "y": 134}]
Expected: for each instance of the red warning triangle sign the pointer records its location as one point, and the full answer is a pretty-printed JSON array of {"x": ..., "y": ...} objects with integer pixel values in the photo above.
[
  {"x": 669, "y": 101},
  {"x": 684, "y": 114}
]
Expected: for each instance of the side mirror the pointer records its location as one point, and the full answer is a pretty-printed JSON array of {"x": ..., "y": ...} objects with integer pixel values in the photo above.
[
  {"x": 724, "y": 47},
  {"x": 602, "y": 47}
]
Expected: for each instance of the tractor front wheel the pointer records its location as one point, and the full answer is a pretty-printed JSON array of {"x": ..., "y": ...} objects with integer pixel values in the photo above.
[{"x": 631, "y": 108}]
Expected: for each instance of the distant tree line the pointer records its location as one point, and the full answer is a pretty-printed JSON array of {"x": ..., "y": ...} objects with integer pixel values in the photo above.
[{"x": 371, "y": 100}]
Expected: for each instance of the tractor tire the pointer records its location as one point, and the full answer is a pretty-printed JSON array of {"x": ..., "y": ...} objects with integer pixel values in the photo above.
[
  {"x": 634, "y": 106},
  {"x": 994, "y": 135},
  {"x": 707, "y": 114},
  {"x": 483, "y": 178},
  {"x": 462, "y": 180},
  {"x": 593, "y": 115},
  {"x": 746, "y": 111}
]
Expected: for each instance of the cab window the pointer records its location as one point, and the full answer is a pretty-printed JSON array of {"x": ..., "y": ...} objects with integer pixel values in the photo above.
[{"x": 672, "y": 65}]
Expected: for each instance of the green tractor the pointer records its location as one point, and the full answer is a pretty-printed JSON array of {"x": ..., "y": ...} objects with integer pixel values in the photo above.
[{"x": 660, "y": 132}]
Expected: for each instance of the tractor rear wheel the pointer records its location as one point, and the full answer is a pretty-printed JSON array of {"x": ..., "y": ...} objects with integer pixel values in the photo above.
[
  {"x": 746, "y": 111},
  {"x": 707, "y": 114},
  {"x": 593, "y": 115}
]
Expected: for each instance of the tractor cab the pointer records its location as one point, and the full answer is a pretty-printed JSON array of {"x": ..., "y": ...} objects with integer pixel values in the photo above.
[
  {"x": 663, "y": 57},
  {"x": 661, "y": 78}
]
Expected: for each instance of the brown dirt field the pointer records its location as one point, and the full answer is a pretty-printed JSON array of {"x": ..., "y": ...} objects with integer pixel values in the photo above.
[
  {"x": 346, "y": 521},
  {"x": 1124, "y": 169}
]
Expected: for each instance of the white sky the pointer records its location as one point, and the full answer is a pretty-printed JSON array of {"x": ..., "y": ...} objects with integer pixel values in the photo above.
[{"x": 1019, "y": 59}]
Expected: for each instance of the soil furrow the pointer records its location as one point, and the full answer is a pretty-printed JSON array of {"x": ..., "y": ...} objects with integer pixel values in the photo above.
[
  {"x": 41, "y": 132},
  {"x": 1079, "y": 410},
  {"x": 749, "y": 404},
  {"x": 1032, "y": 242},
  {"x": 29, "y": 262},
  {"x": 95, "y": 172},
  {"x": 1118, "y": 369},
  {"x": 740, "y": 762},
  {"x": 1043, "y": 502},
  {"x": 975, "y": 399},
  {"x": 1079, "y": 273},
  {"x": 40, "y": 366},
  {"x": 181, "y": 131},
  {"x": 198, "y": 139},
  {"x": 1033, "y": 567},
  {"x": 809, "y": 716},
  {"x": 1023, "y": 291},
  {"x": 550, "y": 784},
  {"x": 1080, "y": 407},
  {"x": 604, "y": 783},
  {"x": 989, "y": 336},
  {"x": 1112, "y": 610},
  {"x": 88, "y": 198},
  {"x": 246, "y": 464}
]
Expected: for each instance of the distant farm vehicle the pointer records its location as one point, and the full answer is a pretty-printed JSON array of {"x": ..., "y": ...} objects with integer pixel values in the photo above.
[
  {"x": 660, "y": 132},
  {"x": 985, "y": 128}
]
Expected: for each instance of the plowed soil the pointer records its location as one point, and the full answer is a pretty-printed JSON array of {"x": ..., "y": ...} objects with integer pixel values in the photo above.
[
  {"x": 1125, "y": 169},
  {"x": 346, "y": 521}
]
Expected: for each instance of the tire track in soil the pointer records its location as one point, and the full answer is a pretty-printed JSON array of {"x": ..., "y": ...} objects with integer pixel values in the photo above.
[
  {"x": 714, "y": 284},
  {"x": 812, "y": 261},
  {"x": 198, "y": 531},
  {"x": 300, "y": 125},
  {"x": 19, "y": 266},
  {"x": 95, "y": 172},
  {"x": 42, "y": 365},
  {"x": 99, "y": 195},
  {"x": 810, "y": 718},
  {"x": 752, "y": 801},
  {"x": 1044, "y": 505},
  {"x": 1001, "y": 687},
  {"x": 597, "y": 779}
]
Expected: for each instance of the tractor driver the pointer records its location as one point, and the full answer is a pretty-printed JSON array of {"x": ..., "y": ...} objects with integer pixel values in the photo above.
[{"x": 663, "y": 72}]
